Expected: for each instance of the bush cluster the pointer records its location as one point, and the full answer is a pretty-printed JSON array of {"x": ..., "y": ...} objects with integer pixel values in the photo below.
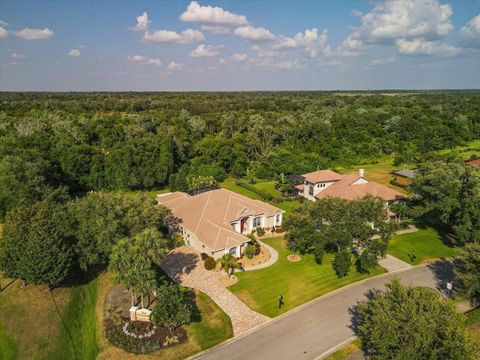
[
  {"x": 263, "y": 194},
  {"x": 209, "y": 263}
]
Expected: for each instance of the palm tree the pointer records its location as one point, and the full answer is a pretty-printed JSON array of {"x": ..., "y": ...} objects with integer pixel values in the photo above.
[{"x": 229, "y": 263}]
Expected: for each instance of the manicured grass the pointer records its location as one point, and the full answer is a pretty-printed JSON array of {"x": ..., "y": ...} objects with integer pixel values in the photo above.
[
  {"x": 8, "y": 348},
  {"x": 465, "y": 152},
  {"x": 426, "y": 243},
  {"x": 298, "y": 282},
  {"x": 229, "y": 184},
  {"x": 346, "y": 351},
  {"x": 288, "y": 206},
  {"x": 30, "y": 319},
  {"x": 77, "y": 338},
  {"x": 473, "y": 321},
  {"x": 268, "y": 187}
]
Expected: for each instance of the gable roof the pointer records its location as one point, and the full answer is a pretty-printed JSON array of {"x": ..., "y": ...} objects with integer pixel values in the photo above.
[
  {"x": 347, "y": 188},
  {"x": 405, "y": 173},
  {"x": 209, "y": 214},
  {"x": 322, "y": 176}
]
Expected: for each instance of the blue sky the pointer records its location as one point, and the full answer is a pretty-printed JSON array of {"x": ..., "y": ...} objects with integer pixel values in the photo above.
[{"x": 238, "y": 45}]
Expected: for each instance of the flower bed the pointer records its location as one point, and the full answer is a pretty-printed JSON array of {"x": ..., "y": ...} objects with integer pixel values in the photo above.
[{"x": 142, "y": 338}]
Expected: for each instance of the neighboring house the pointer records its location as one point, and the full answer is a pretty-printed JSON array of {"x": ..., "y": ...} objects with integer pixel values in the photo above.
[
  {"x": 473, "y": 162},
  {"x": 216, "y": 222},
  {"x": 327, "y": 183},
  {"x": 403, "y": 177}
]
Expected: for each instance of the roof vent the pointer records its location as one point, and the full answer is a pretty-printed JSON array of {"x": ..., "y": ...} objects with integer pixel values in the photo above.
[{"x": 361, "y": 172}]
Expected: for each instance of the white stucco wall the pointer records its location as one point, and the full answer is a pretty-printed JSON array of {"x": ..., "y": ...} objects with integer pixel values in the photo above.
[{"x": 317, "y": 188}]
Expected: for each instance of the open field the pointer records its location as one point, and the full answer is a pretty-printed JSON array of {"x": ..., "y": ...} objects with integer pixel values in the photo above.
[
  {"x": 465, "y": 152},
  {"x": 298, "y": 282},
  {"x": 427, "y": 244}
]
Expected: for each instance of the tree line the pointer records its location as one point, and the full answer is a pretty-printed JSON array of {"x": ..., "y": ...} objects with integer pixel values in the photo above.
[{"x": 63, "y": 145}]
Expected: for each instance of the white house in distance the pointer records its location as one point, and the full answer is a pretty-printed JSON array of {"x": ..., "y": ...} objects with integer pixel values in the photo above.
[
  {"x": 327, "y": 183},
  {"x": 216, "y": 222}
]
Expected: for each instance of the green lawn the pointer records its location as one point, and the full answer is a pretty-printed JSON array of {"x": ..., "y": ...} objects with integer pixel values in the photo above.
[
  {"x": 346, "y": 351},
  {"x": 426, "y": 243},
  {"x": 473, "y": 321},
  {"x": 465, "y": 152},
  {"x": 297, "y": 282},
  {"x": 77, "y": 338},
  {"x": 229, "y": 184},
  {"x": 268, "y": 187}
]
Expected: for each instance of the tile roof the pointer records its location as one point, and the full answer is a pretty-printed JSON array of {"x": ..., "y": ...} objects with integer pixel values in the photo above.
[
  {"x": 322, "y": 176},
  {"x": 209, "y": 214},
  {"x": 346, "y": 189},
  {"x": 473, "y": 162}
]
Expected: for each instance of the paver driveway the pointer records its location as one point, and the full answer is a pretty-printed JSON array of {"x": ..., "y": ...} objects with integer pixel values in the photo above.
[{"x": 185, "y": 267}]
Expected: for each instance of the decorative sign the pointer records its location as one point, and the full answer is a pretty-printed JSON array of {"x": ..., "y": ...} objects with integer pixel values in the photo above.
[{"x": 449, "y": 286}]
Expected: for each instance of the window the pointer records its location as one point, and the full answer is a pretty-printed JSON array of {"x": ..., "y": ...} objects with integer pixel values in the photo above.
[
  {"x": 277, "y": 218},
  {"x": 257, "y": 222},
  {"x": 310, "y": 190},
  {"x": 233, "y": 251}
]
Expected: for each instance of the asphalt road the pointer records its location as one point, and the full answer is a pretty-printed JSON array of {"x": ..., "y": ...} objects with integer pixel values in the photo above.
[{"x": 312, "y": 330}]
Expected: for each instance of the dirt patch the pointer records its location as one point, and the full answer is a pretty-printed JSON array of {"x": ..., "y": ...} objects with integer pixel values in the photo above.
[
  {"x": 294, "y": 258},
  {"x": 261, "y": 258},
  {"x": 228, "y": 281}
]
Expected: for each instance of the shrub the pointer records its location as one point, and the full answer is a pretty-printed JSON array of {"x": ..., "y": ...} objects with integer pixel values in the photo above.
[
  {"x": 278, "y": 229},
  {"x": 209, "y": 263},
  {"x": 174, "y": 307},
  {"x": 250, "y": 251},
  {"x": 342, "y": 262},
  {"x": 263, "y": 194},
  {"x": 260, "y": 231}
]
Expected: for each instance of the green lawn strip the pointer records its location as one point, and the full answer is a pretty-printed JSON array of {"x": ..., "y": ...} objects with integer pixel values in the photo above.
[
  {"x": 427, "y": 244},
  {"x": 8, "y": 347},
  {"x": 465, "y": 152},
  {"x": 297, "y": 282},
  {"x": 77, "y": 338},
  {"x": 229, "y": 184},
  {"x": 214, "y": 327},
  {"x": 268, "y": 187},
  {"x": 346, "y": 351},
  {"x": 473, "y": 317}
]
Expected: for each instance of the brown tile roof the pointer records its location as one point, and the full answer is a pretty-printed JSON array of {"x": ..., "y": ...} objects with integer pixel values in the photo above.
[
  {"x": 208, "y": 214},
  {"x": 345, "y": 189},
  {"x": 322, "y": 176},
  {"x": 473, "y": 162},
  {"x": 300, "y": 187}
]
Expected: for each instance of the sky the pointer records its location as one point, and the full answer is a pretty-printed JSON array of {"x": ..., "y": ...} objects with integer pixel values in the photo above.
[{"x": 238, "y": 45}]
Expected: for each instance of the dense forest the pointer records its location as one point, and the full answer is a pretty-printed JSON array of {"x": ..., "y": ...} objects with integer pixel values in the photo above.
[{"x": 57, "y": 146}]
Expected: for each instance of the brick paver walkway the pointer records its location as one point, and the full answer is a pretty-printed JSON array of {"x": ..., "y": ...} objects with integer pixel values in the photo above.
[{"x": 185, "y": 267}]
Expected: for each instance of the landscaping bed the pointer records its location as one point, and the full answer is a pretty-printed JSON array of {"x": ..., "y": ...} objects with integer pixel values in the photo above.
[
  {"x": 141, "y": 337},
  {"x": 261, "y": 258}
]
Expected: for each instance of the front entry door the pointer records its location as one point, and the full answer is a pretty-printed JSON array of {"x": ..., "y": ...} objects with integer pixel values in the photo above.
[{"x": 243, "y": 224}]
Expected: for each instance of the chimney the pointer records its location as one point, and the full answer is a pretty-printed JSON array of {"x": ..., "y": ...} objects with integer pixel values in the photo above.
[{"x": 361, "y": 172}]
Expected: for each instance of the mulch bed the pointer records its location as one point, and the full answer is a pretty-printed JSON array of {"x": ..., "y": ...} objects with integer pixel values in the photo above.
[
  {"x": 294, "y": 258},
  {"x": 155, "y": 342}
]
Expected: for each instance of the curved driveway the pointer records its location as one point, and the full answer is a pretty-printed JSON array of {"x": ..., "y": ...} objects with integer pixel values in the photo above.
[{"x": 314, "y": 329}]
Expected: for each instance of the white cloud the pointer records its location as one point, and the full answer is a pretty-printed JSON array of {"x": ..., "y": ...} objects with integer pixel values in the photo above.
[
  {"x": 142, "y": 23},
  {"x": 17, "y": 56},
  {"x": 356, "y": 12},
  {"x": 237, "y": 57},
  {"x": 392, "y": 20},
  {"x": 211, "y": 15},
  {"x": 215, "y": 29},
  {"x": 144, "y": 60},
  {"x": 222, "y": 61},
  {"x": 254, "y": 34},
  {"x": 163, "y": 36},
  {"x": 310, "y": 40},
  {"x": 206, "y": 51},
  {"x": 472, "y": 28},
  {"x": 3, "y": 32},
  {"x": 271, "y": 64},
  {"x": 3, "y": 23},
  {"x": 425, "y": 47},
  {"x": 74, "y": 52},
  {"x": 261, "y": 52},
  {"x": 82, "y": 46},
  {"x": 382, "y": 61},
  {"x": 35, "y": 34},
  {"x": 175, "y": 66}
]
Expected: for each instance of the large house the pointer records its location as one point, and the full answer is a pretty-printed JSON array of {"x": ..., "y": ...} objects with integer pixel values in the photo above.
[
  {"x": 327, "y": 183},
  {"x": 216, "y": 222}
]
